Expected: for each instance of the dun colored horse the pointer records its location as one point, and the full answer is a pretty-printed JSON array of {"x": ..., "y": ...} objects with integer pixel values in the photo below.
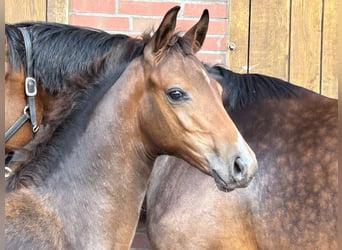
[
  {"x": 291, "y": 203},
  {"x": 85, "y": 189}
]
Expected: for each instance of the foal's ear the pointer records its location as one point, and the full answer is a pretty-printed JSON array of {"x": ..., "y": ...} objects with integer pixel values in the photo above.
[
  {"x": 162, "y": 36},
  {"x": 196, "y": 35}
]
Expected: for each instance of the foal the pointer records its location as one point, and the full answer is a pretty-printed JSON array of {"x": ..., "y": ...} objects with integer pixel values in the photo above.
[
  {"x": 85, "y": 190},
  {"x": 292, "y": 202}
]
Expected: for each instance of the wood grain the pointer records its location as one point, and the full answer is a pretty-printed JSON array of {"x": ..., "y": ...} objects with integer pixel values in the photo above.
[
  {"x": 269, "y": 42},
  {"x": 57, "y": 11},
  {"x": 329, "y": 48},
  {"x": 305, "y": 53},
  {"x": 238, "y": 34},
  {"x": 294, "y": 40},
  {"x": 23, "y": 10}
]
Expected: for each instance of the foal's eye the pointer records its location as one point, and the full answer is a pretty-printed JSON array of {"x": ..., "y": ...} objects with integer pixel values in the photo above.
[{"x": 176, "y": 95}]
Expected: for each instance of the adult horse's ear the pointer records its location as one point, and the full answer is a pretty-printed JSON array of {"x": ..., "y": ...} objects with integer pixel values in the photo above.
[
  {"x": 196, "y": 35},
  {"x": 162, "y": 36}
]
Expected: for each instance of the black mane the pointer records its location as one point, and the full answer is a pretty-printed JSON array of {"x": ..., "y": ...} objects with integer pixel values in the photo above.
[
  {"x": 99, "y": 76},
  {"x": 242, "y": 90},
  {"x": 59, "y": 50}
]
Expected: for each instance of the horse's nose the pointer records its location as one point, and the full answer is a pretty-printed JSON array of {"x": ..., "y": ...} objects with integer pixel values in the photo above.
[
  {"x": 239, "y": 170},
  {"x": 242, "y": 171}
]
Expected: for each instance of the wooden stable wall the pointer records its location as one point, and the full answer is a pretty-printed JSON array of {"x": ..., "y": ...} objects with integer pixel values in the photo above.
[
  {"x": 36, "y": 10},
  {"x": 291, "y": 39},
  {"x": 23, "y": 10},
  {"x": 295, "y": 40}
]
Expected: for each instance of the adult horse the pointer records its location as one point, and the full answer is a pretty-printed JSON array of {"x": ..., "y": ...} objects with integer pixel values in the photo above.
[
  {"x": 50, "y": 53},
  {"x": 85, "y": 189},
  {"x": 291, "y": 203}
]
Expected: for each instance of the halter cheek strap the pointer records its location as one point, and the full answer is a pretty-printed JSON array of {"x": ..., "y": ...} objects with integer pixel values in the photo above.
[{"x": 29, "y": 112}]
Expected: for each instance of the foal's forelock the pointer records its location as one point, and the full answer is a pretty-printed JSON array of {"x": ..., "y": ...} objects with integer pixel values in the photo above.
[{"x": 177, "y": 44}]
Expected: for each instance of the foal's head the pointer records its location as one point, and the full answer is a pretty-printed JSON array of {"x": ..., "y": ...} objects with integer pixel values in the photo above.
[{"x": 182, "y": 112}]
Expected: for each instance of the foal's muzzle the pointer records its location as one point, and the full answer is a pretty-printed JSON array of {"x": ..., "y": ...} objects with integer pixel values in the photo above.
[{"x": 238, "y": 174}]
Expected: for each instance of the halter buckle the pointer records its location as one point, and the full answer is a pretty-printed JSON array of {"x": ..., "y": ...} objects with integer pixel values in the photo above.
[
  {"x": 26, "y": 111},
  {"x": 8, "y": 171},
  {"x": 30, "y": 86},
  {"x": 35, "y": 129}
]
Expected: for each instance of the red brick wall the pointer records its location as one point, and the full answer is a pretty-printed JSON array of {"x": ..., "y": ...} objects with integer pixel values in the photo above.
[{"x": 133, "y": 17}]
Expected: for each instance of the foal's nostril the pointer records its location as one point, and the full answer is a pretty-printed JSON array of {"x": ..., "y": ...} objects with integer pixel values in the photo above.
[{"x": 239, "y": 170}]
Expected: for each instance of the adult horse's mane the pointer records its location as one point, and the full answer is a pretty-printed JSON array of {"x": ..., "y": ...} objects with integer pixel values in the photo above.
[
  {"x": 246, "y": 89},
  {"x": 98, "y": 78},
  {"x": 58, "y": 46},
  {"x": 60, "y": 52}
]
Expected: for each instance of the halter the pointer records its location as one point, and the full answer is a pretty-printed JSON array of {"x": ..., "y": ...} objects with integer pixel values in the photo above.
[{"x": 29, "y": 112}]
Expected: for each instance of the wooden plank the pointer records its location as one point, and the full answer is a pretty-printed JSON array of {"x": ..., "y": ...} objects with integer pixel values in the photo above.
[
  {"x": 269, "y": 38},
  {"x": 57, "y": 11},
  {"x": 23, "y": 10},
  {"x": 238, "y": 34},
  {"x": 329, "y": 55},
  {"x": 305, "y": 45}
]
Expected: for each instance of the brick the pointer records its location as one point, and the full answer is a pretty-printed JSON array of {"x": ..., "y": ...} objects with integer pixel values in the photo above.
[
  {"x": 215, "y": 27},
  {"x": 215, "y": 10},
  {"x": 100, "y": 22},
  {"x": 205, "y": 1},
  {"x": 212, "y": 58},
  {"x": 145, "y": 8},
  {"x": 215, "y": 43},
  {"x": 145, "y": 24},
  {"x": 101, "y": 6}
]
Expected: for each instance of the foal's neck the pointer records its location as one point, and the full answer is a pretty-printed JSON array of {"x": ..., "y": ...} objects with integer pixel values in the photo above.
[{"x": 104, "y": 179}]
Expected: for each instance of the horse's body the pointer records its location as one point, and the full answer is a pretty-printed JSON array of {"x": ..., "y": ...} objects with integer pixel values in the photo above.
[
  {"x": 58, "y": 53},
  {"x": 85, "y": 189},
  {"x": 291, "y": 204}
]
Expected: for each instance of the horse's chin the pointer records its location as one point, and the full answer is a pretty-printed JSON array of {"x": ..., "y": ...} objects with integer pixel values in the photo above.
[{"x": 221, "y": 184}]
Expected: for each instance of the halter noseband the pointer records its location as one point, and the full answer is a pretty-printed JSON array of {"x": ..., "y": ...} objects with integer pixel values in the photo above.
[{"x": 29, "y": 112}]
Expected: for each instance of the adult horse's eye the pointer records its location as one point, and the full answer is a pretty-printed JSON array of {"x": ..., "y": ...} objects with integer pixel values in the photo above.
[{"x": 176, "y": 95}]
